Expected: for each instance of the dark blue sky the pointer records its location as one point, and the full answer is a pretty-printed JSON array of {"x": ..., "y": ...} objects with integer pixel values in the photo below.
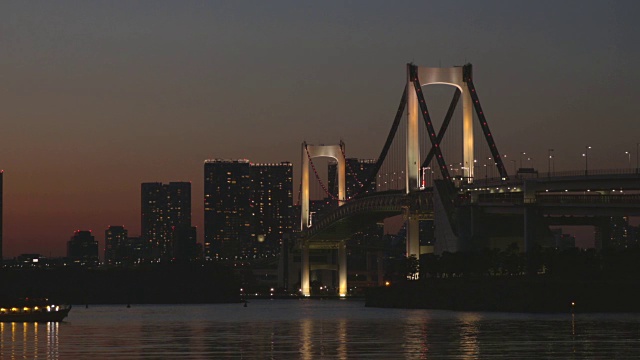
[{"x": 99, "y": 96}]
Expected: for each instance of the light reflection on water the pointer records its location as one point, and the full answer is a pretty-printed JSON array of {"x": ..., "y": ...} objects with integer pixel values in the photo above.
[{"x": 313, "y": 329}]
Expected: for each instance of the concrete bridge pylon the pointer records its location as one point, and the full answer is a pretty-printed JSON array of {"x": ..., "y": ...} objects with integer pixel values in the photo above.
[
  {"x": 309, "y": 152},
  {"x": 417, "y": 77}
]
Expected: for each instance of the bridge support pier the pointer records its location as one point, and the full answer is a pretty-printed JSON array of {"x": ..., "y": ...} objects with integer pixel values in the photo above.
[
  {"x": 413, "y": 237},
  {"x": 305, "y": 284},
  {"x": 342, "y": 268}
]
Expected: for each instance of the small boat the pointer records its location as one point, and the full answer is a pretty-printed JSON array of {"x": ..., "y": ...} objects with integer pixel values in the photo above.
[{"x": 34, "y": 311}]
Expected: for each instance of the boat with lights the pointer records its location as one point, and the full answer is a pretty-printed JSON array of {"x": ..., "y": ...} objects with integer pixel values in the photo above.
[{"x": 39, "y": 310}]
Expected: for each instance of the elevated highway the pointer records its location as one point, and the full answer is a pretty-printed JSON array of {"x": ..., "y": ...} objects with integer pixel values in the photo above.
[{"x": 344, "y": 221}]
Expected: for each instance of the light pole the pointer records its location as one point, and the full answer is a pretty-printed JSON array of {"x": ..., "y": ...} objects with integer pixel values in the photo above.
[
  {"x": 486, "y": 178},
  {"x": 522, "y": 153},
  {"x": 475, "y": 169},
  {"x": 629, "y": 156},
  {"x": 549, "y": 165},
  {"x": 504, "y": 161},
  {"x": 586, "y": 159}
]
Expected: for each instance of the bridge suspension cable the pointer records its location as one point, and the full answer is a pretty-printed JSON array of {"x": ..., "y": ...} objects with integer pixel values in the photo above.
[
  {"x": 353, "y": 173},
  {"x": 313, "y": 167},
  {"x": 385, "y": 149},
  {"x": 435, "y": 144},
  {"x": 467, "y": 78},
  {"x": 444, "y": 126},
  {"x": 435, "y": 139}
]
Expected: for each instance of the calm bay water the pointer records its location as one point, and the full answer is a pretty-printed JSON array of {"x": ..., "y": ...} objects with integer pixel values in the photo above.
[{"x": 317, "y": 329}]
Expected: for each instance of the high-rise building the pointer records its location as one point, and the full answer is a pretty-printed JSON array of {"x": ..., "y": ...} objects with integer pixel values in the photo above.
[
  {"x": 115, "y": 245},
  {"x": 184, "y": 244},
  {"x": 248, "y": 208},
  {"x": 82, "y": 248},
  {"x": 615, "y": 232},
  {"x": 273, "y": 205},
  {"x": 164, "y": 206},
  {"x": 357, "y": 171},
  {"x": 228, "y": 210},
  {"x": 137, "y": 251}
]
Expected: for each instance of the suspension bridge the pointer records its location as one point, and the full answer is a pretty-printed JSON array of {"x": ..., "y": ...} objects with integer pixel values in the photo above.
[{"x": 413, "y": 179}]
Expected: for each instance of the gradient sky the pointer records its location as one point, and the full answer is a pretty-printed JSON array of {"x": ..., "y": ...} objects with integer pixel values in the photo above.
[{"x": 99, "y": 96}]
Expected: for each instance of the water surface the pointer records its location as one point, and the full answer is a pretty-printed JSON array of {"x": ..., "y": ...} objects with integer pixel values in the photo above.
[{"x": 318, "y": 329}]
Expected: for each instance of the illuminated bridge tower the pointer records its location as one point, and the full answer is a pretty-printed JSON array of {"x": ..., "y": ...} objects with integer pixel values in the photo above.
[
  {"x": 337, "y": 153},
  {"x": 418, "y": 76},
  {"x": 459, "y": 77}
]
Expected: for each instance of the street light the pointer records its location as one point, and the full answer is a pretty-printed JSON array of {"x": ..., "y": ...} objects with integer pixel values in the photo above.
[
  {"x": 486, "y": 179},
  {"x": 503, "y": 162},
  {"x": 586, "y": 159},
  {"x": 522, "y": 153},
  {"x": 629, "y": 156},
  {"x": 475, "y": 170},
  {"x": 549, "y": 165}
]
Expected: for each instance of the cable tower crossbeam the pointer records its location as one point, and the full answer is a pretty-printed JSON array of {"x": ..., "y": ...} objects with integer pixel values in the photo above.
[{"x": 313, "y": 167}]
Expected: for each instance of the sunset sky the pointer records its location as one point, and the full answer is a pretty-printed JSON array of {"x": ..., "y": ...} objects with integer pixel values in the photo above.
[{"x": 97, "y": 97}]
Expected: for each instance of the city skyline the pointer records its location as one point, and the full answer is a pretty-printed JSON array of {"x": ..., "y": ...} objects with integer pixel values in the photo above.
[{"x": 100, "y": 97}]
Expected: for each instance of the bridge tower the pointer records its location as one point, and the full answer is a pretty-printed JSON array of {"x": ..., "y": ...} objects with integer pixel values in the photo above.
[
  {"x": 309, "y": 152},
  {"x": 424, "y": 76},
  {"x": 459, "y": 77},
  {"x": 418, "y": 76}
]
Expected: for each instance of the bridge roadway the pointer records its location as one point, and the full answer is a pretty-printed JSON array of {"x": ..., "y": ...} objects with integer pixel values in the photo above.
[
  {"x": 537, "y": 201},
  {"x": 595, "y": 180},
  {"x": 567, "y": 194},
  {"x": 356, "y": 214},
  {"x": 602, "y": 193}
]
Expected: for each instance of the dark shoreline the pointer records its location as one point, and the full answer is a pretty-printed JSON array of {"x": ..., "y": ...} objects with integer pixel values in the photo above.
[
  {"x": 527, "y": 294},
  {"x": 170, "y": 284}
]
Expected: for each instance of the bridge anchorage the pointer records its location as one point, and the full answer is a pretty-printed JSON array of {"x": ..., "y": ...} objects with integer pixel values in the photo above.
[{"x": 414, "y": 202}]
